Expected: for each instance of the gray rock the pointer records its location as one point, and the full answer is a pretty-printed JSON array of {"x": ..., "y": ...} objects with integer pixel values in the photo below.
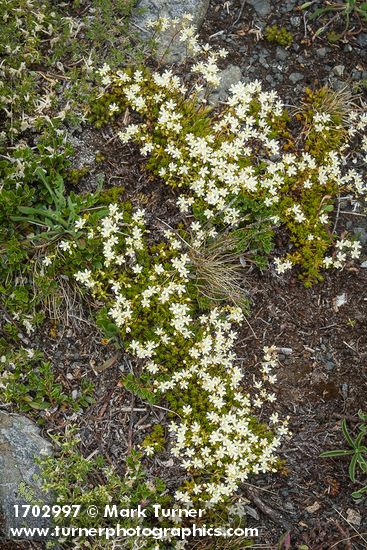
[
  {"x": 330, "y": 365},
  {"x": 321, "y": 52},
  {"x": 361, "y": 234},
  {"x": 337, "y": 84},
  {"x": 20, "y": 444},
  {"x": 230, "y": 76},
  {"x": 288, "y": 6},
  {"x": 339, "y": 70},
  {"x": 356, "y": 75},
  {"x": 262, "y": 7},
  {"x": 362, "y": 40},
  {"x": 364, "y": 264},
  {"x": 281, "y": 53},
  {"x": 296, "y": 77},
  {"x": 147, "y": 10}
]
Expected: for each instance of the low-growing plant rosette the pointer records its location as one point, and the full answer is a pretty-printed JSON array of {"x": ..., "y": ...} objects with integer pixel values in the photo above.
[{"x": 222, "y": 435}]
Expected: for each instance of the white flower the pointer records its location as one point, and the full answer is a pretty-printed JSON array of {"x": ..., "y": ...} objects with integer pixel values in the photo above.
[
  {"x": 137, "y": 269},
  {"x": 80, "y": 223},
  {"x": 149, "y": 450},
  {"x": 65, "y": 246},
  {"x": 281, "y": 266},
  {"x": 113, "y": 108},
  {"x": 328, "y": 261},
  {"x": 85, "y": 277}
]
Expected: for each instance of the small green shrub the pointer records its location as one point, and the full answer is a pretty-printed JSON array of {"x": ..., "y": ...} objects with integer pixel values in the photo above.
[
  {"x": 77, "y": 480},
  {"x": 155, "y": 441},
  {"x": 279, "y": 35},
  {"x": 29, "y": 383},
  {"x": 241, "y": 167},
  {"x": 185, "y": 357}
]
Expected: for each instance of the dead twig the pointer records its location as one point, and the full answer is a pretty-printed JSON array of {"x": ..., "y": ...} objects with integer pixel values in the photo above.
[
  {"x": 275, "y": 516},
  {"x": 243, "y": 3},
  {"x": 110, "y": 362},
  {"x": 130, "y": 434},
  {"x": 352, "y": 526}
]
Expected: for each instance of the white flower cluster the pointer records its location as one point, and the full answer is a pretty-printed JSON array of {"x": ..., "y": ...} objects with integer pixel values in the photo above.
[
  {"x": 222, "y": 439},
  {"x": 322, "y": 121},
  {"x": 182, "y": 31},
  {"x": 85, "y": 278},
  {"x": 210, "y": 166},
  {"x": 225, "y": 440},
  {"x": 344, "y": 248},
  {"x": 282, "y": 265},
  {"x": 23, "y": 101},
  {"x": 239, "y": 154}
]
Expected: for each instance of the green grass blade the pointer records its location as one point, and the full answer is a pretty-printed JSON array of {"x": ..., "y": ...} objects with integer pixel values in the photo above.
[
  {"x": 347, "y": 434},
  {"x": 336, "y": 452}
]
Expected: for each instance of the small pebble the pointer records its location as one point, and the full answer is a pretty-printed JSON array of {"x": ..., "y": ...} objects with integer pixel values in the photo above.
[
  {"x": 281, "y": 53},
  {"x": 329, "y": 366},
  {"x": 356, "y": 75},
  {"x": 339, "y": 70},
  {"x": 354, "y": 517},
  {"x": 296, "y": 77},
  {"x": 362, "y": 40},
  {"x": 321, "y": 52},
  {"x": 295, "y": 21}
]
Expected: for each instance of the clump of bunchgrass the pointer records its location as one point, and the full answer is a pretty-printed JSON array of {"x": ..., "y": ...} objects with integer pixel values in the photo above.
[
  {"x": 336, "y": 104},
  {"x": 218, "y": 272}
]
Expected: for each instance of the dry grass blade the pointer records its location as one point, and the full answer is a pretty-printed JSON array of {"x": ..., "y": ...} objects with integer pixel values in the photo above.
[
  {"x": 358, "y": 534},
  {"x": 63, "y": 303},
  {"x": 336, "y": 103},
  {"x": 218, "y": 271}
]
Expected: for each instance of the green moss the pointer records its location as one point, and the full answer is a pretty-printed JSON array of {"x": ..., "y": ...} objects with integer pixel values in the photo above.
[
  {"x": 279, "y": 35},
  {"x": 76, "y": 174},
  {"x": 155, "y": 440}
]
